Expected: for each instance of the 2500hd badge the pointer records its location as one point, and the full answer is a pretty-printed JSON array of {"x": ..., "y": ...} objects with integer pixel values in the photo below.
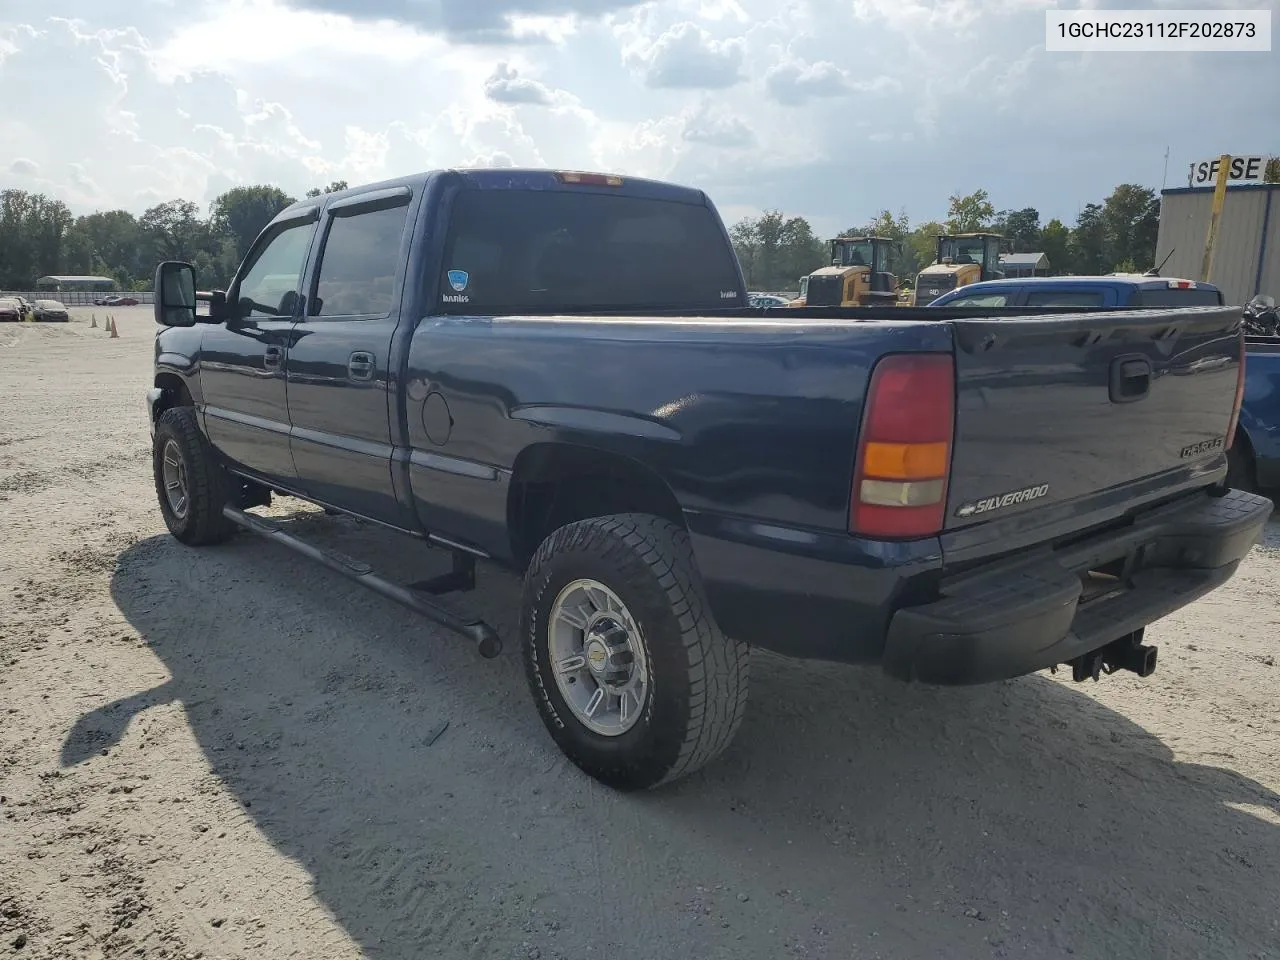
[
  {"x": 1204, "y": 446},
  {"x": 987, "y": 504}
]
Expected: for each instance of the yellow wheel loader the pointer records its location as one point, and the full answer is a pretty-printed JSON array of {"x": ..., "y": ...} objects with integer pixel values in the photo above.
[
  {"x": 858, "y": 276},
  {"x": 962, "y": 259}
]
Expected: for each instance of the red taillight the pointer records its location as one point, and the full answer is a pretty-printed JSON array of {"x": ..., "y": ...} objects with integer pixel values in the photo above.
[
  {"x": 1235, "y": 407},
  {"x": 904, "y": 447}
]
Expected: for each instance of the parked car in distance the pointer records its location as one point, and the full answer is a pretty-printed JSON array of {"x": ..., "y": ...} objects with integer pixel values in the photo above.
[
  {"x": 116, "y": 301},
  {"x": 767, "y": 300},
  {"x": 26, "y": 309},
  {"x": 52, "y": 311},
  {"x": 959, "y": 499},
  {"x": 1114, "y": 290},
  {"x": 10, "y": 309}
]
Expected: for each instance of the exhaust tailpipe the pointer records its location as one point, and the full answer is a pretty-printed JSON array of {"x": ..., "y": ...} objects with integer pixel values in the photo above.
[{"x": 1126, "y": 653}]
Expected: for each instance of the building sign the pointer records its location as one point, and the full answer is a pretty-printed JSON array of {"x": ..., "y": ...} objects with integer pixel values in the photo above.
[{"x": 1241, "y": 170}]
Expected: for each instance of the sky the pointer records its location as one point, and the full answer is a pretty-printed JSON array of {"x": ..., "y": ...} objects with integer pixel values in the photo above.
[{"x": 828, "y": 109}]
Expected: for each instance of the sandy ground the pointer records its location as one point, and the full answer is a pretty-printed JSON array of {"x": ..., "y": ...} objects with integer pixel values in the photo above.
[{"x": 232, "y": 753}]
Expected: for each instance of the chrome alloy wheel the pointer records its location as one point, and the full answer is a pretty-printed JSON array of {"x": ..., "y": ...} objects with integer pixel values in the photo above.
[
  {"x": 598, "y": 657},
  {"x": 174, "y": 474}
]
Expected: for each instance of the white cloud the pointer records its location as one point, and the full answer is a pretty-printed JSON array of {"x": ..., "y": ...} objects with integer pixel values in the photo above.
[
  {"x": 953, "y": 16},
  {"x": 720, "y": 10},
  {"x": 717, "y": 130},
  {"x": 688, "y": 57},
  {"x": 794, "y": 82},
  {"x": 474, "y": 21},
  {"x": 505, "y": 85},
  {"x": 830, "y": 109}
]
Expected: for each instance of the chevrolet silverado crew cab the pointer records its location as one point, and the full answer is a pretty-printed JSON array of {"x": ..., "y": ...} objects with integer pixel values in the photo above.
[{"x": 559, "y": 373}]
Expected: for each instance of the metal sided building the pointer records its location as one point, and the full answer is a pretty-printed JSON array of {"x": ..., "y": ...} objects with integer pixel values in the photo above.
[
  {"x": 1024, "y": 264},
  {"x": 1246, "y": 261}
]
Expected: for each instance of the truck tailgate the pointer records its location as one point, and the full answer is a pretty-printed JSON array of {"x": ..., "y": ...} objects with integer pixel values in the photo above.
[{"x": 1049, "y": 409}]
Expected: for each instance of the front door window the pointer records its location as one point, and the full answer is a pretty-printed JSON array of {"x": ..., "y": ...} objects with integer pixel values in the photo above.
[{"x": 269, "y": 288}]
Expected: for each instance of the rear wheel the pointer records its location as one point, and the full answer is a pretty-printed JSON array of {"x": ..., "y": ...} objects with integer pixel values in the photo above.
[
  {"x": 191, "y": 484},
  {"x": 634, "y": 681}
]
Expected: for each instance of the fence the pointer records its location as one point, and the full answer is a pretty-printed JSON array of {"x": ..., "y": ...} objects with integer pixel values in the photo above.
[{"x": 78, "y": 298}]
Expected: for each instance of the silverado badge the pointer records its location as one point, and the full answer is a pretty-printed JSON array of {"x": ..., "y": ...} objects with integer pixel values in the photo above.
[{"x": 987, "y": 504}]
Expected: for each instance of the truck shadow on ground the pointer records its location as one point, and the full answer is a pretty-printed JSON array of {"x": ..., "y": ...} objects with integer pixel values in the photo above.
[{"x": 853, "y": 816}]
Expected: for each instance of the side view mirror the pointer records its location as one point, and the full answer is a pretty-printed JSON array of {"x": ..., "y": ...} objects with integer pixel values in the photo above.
[
  {"x": 218, "y": 308},
  {"x": 175, "y": 286}
]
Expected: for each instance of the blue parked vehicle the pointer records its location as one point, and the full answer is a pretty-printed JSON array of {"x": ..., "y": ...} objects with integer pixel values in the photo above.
[
  {"x": 1254, "y": 458},
  {"x": 1253, "y": 462},
  {"x": 1117, "y": 290}
]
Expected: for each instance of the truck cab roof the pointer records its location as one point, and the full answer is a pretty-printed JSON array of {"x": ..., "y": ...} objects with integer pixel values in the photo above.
[{"x": 508, "y": 178}]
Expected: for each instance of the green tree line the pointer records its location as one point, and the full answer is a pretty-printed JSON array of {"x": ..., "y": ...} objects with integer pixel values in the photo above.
[
  {"x": 1118, "y": 234},
  {"x": 39, "y": 236}
]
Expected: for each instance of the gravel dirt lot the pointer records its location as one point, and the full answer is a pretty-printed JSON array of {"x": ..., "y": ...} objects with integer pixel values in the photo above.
[{"x": 233, "y": 753}]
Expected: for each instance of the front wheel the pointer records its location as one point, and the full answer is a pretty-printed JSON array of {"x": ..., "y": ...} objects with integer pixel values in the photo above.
[
  {"x": 191, "y": 484},
  {"x": 634, "y": 681}
]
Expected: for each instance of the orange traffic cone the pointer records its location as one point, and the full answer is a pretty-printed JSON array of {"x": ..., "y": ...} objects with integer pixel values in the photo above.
[
  {"x": 114, "y": 332},
  {"x": 93, "y": 321}
]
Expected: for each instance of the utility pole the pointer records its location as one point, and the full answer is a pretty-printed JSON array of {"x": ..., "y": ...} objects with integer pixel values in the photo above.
[{"x": 1215, "y": 214}]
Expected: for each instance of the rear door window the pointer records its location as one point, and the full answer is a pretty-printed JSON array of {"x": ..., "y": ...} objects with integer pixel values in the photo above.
[
  {"x": 540, "y": 251},
  {"x": 358, "y": 264}
]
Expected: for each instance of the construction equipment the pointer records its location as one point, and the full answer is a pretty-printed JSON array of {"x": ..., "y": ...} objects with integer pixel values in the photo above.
[
  {"x": 962, "y": 259},
  {"x": 859, "y": 275}
]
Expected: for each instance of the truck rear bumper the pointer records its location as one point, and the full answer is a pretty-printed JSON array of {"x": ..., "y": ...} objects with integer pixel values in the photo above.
[
  {"x": 840, "y": 598},
  {"x": 1044, "y": 607}
]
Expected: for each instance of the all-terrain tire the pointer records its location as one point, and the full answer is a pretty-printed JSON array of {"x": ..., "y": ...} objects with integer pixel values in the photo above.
[
  {"x": 208, "y": 485},
  {"x": 697, "y": 691}
]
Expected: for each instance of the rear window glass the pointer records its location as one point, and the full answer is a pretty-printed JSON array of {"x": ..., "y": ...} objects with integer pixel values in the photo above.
[
  {"x": 1064, "y": 298},
  {"x": 512, "y": 251},
  {"x": 1177, "y": 297}
]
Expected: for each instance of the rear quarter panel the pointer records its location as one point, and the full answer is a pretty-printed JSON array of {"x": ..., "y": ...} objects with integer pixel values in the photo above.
[{"x": 752, "y": 419}]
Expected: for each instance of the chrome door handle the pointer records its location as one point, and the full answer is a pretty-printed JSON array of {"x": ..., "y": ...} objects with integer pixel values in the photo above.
[{"x": 361, "y": 366}]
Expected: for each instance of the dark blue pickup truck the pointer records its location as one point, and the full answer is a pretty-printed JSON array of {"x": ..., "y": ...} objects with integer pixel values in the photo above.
[{"x": 559, "y": 373}]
